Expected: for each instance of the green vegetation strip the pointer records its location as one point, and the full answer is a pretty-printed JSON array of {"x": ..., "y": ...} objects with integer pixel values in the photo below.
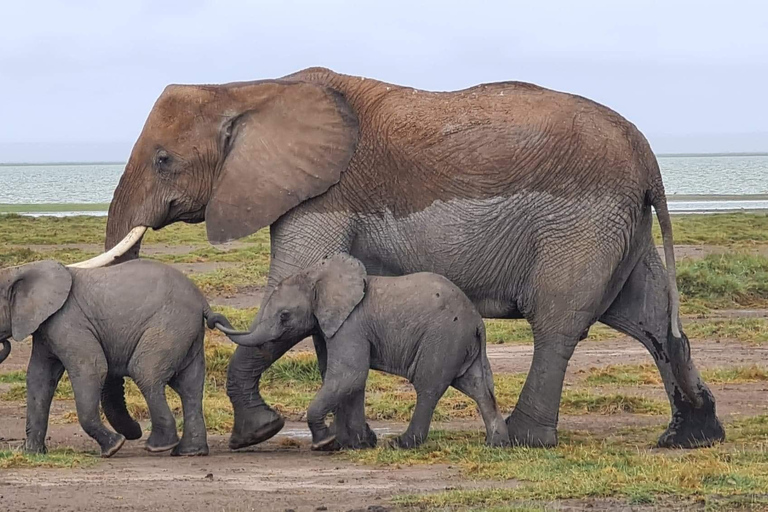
[
  {"x": 54, "y": 207},
  {"x": 59, "y": 458},
  {"x": 647, "y": 374},
  {"x": 586, "y": 466}
]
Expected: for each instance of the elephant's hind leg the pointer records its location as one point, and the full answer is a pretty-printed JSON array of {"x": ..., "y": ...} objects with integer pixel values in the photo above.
[
  {"x": 477, "y": 383},
  {"x": 188, "y": 383},
  {"x": 113, "y": 404},
  {"x": 641, "y": 311},
  {"x": 151, "y": 367}
]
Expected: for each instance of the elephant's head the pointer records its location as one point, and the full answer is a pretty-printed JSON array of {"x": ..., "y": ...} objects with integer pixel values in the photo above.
[
  {"x": 237, "y": 156},
  {"x": 321, "y": 296},
  {"x": 29, "y": 295}
]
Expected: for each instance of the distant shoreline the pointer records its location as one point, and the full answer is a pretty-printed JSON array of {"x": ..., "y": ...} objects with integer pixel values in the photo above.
[
  {"x": 32, "y": 164},
  {"x": 658, "y": 155}
]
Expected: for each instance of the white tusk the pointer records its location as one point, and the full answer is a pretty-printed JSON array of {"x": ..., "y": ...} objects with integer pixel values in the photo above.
[{"x": 115, "y": 252}]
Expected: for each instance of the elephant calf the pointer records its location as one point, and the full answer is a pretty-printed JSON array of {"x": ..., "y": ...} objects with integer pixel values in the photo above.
[
  {"x": 418, "y": 326},
  {"x": 139, "y": 319}
]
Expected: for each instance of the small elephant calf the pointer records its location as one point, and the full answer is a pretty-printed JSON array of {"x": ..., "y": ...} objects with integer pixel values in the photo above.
[
  {"x": 418, "y": 326},
  {"x": 140, "y": 319}
]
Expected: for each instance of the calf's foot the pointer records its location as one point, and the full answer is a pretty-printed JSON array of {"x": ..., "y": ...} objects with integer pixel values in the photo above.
[
  {"x": 190, "y": 449},
  {"x": 111, "y": 445},
  {"x": 162, "y": 441},
  {"x": 328, "y": 444}
]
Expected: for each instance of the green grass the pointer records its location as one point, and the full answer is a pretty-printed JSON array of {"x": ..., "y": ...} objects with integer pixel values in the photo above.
[
  {"x": 647, "y": 374},
  {"x": 23, "y": 230},
  {"x": 519, "y": 331},
  {"x": 746, "y": 330},
  {"x": 58, "y": 458},
  {"x": 623, "y": 375},
  {"x": 589, "y": 467},
  {"x": 725, "y": 229},
  {"x": 230, "y": 280},
  {"x": 54, "y": 207},
  {"x": 21, "y": 256},
  {"x": 13, "y": 377},
  {"x": 724, "y": 280}
]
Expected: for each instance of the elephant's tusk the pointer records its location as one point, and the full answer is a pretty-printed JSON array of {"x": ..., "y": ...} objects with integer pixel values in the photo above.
[{"x": 118, "y": 250}]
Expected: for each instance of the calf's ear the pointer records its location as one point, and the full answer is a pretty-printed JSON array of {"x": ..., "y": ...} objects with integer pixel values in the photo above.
[
  {"x": 339, "y": 286},
  {"x": 38, "y": 290}
]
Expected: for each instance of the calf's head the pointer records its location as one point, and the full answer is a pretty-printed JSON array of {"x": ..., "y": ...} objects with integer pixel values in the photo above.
[{"x": 319, "y": 297}]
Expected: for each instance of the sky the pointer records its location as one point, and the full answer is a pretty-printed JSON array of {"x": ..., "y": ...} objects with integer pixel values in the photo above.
[{"x": 78, "y": 77}]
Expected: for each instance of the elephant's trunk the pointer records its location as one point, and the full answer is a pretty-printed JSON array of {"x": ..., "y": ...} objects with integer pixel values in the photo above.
[
  {"x": 260, "y": 335},
  {"x": 6, "y": 350}
]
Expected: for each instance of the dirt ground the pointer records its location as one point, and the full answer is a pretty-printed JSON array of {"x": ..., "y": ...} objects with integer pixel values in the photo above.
[{"x": 283, "y": 474}]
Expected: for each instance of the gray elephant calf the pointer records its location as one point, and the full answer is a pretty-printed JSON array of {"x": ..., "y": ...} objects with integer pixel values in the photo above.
[
  {"x": 419, "y": 326},
  {"x": 139, "y": 319}
]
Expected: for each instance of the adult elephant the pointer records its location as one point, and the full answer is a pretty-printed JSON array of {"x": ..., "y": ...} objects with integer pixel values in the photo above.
[{"x": 536, "y": 203}]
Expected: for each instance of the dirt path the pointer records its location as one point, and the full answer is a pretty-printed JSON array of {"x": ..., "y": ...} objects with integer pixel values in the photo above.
[{"x": 284, "y": 474}]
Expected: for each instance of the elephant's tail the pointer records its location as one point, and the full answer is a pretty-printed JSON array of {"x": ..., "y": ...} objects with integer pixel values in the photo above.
[
  {"x": 6, "y": 350},
  {"x": 659, "y": 202}
]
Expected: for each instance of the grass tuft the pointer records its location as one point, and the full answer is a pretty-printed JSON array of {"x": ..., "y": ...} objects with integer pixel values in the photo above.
[
  {"x": 59, "y": 458},
  {"x": 725, "y": 280}
]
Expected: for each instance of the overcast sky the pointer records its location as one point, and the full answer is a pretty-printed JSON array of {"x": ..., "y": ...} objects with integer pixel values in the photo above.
[{"x": 78, "y": 77}]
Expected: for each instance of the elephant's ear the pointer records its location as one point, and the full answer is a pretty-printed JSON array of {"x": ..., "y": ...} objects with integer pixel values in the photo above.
[
  {"x": 291, "y": 148},
  {"x": 38, "y": 291},
  {"x": 339, "y": 283}
]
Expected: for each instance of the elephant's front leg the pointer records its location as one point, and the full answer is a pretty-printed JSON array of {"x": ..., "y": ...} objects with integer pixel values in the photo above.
[
  {"x": 533, "y": 422},
  {"x": 349, "y": 426},
  {"x": 299, "y": 239},
  {"x": 43, "y": 375}
]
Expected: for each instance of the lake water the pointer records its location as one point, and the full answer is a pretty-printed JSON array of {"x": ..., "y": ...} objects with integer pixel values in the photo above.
[{"x": 683, "y": 175}]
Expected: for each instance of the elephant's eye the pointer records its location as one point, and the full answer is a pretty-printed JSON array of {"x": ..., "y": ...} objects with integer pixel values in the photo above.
[
  {"x": 162, "y": 160},
  {"x": 284, "y": 316}
]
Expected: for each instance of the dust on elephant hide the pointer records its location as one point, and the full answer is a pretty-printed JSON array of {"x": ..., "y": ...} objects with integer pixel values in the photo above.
[{"x": 535, "y": 203}]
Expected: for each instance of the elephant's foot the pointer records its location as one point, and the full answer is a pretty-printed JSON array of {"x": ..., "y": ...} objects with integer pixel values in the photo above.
[
  {"x": 498, "y": 440},
  {"x": 328, "y": 444},
  {"x": 406, "y": 441},
  {"x": 34, "y": 448},
  {"x": 349, "y": 440},
  {"x": 524, "y": 431},
  {"x": 254, "y": 426},
  {"x": 693, "y": 427},
  {"x": 190, "y": 449},
  {"x": 112, "y": 445},
  {"x": 162, "y": 441}
]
